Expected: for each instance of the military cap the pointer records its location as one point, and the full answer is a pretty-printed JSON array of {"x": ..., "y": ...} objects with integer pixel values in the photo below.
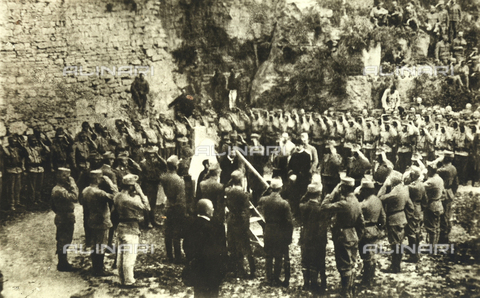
[
  {"x": 348, "y": 181},
  {"x": 417, "y": 156},
  {"x": 152, "y": 149},
  {"x": 276, "y": 183},
  {"x": 66, "y": 170},
  {"x": 130, "y": 179},
  {"x": 173, "y": 160},
  {"x": 96, "y": 173},
  {"x": 237, "y": 175},
  {"x": 313, "y": 188},
  {"x": 254, "y": 136},
  {"x": 367, "y": 183},
  {"x": 122, "y": 156},
  {"x": 108, "y": 155},
  {"x": 448, "y": 153}
]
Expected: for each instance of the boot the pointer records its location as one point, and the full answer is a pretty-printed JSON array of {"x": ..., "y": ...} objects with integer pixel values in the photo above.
[
  {"x": 277, "y": 270},
  {"x": 286, "y": 281},
  {"x": 269, "y": 270},
  {"x": 100, "y": 270},
  {"x": 345, "y": 282},
  {"x": 323, "y": 277},
  {"x": 251, "y": 264},
  {"x": 306, "y": 279},
  {"x": 367, "y": 269},
  {"x": 63, "y": 264},
  {"x": 372, "y": 272}
]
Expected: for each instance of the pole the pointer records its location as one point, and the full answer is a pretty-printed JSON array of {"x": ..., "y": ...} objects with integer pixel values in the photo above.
[{"x": 251, "y": 168}]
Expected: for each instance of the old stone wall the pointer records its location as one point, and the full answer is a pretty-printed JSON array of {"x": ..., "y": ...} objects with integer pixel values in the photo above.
[{"x": 39, "y": 39}]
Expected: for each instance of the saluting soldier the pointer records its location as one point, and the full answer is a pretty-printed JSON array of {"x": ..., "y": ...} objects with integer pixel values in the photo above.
[
  {"x": 34, "y": 162},
  {"x": 395, "y": 196},
  {"x": 64, "y": 195},
  {"x": 313, "y": 239},
  {"x": 330, "y": 168},
  {"x": 375, "y": 220},
  {"x": 347, "y": 229},
  {"x": 448, "y": 173},
  {"x": 414, "y": 216},
  {"x": 277, "y": 234},
  {"x": 432, "y": 204}
]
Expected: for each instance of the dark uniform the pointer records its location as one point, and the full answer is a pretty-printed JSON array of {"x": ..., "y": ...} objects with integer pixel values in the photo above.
[
  {"x": 299, "y": 165},
  {"x": 63, "y": 199},
  {"x": 414, "y": 216},
  {"x": 277, "y": 235},
  {"x": 347, "y": 229},
  {"x": 433, "y": 207},
  {"x": 448, "y": 173},
  {"x": 152, "y": 170},
  {"x": 330, "y": 171},
  {"x": 238, "y": 225},
  {"x": 214, "y": 191},
  {"x": 174, "y": 188},
  {"x": 313, "y": 239}
]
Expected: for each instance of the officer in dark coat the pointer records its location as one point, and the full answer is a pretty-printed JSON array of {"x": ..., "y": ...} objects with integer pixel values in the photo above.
[
  {"x": 215, "y": 192},
  {"x": 228, "y": 163},
  {"x": 347, "y": 229},
  {"x": 448, "y": 173},
  {"x": 395, "y": 196},
  {"x": 277, "y": 234},
  {"x": 299, "y": 166},
  {"x": 64, "y": 195},
  {"x": 238, "y": 225},
  {"x": 313, "y": 239},
  {"x": 413, "y": 228},
  {"x": 174, "y": 188},
  {"x": 140, "y": 90},
  {"x": 375, "y": 219},
  {"x": 206, "y": 251}
]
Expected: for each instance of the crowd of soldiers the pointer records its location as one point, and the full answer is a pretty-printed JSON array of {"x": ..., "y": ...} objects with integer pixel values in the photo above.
[{"x": 356, "y": 173}]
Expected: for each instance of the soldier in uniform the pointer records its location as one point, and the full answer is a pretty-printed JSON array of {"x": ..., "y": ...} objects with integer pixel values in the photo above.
[
  {"x": 153, "y": 167},
  {"x": 214, "y": 191},
  {"x": 448, "y": 173},
  {"x": 461, "y": 145},
  {"x": 130, "y": 207},
  {"x": 313, "y": 239},
  {"x": 330, "y": 168},
  {"x": 357, "y": 164},
  {"x": 424, "y": 144},
  {"x": 406, "y": 138},
  {"x": 375, "y": 219},
  {"x": 395, "y": 196},
  {"x": 15, "y": 156},
  {"x": 431, "y": 203},
  {"x": 347, "y": 229},
  {"x": 97, "y": 202},
  {"x": 257, "y": 158},
  {"x": 175, "y": 209},
  {"x": 300, "y": 167},
  {"x": 60, "y": 149},
  {"x": 277, "y": 234},
  {"x": 414, "y": 216},
  {"x": 80, "y": 157},
  {"x": 238, "y": 224},
  {"x": 37, "y": 154},
  {"x": 140, "y": 90},
  {"x": 64, "y": 195}
]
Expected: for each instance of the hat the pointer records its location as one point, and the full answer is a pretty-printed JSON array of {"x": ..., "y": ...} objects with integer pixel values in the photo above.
[
  {"x": 236, "y": 175},
  {"x": 395, "y": 178},
  {"x": 183, "y": 139},
  {"x": 417, "y": 156},
  {"x": 348, "y": 181},
  {"x": 173, "y": 160},
  {"x": 448, "y": 153},
  {"x": 108, "y": 155},
  {"x": 66, "y": 170},
  {"x": 415, "y": 170},
  {"x": 313, "y": 188},
  {"x": 122, "y": 156},
  {"x": 151, "y": 149},
  {"x": 367, "y": 183},
  {"x": 432, "y": 165},
  {"x": 276, "y": 183},
  {"x": 254, "y": 135},
  {"x": 129, "y": 179},
  {"x": 96, "y": 173}
]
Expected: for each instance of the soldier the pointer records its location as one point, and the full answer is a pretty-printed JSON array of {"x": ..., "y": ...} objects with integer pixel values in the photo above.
[
  {"x": 64, "y": 195},
  {"x": 330, "y": 168},
  {"x": 168, "y": 133},
  {"x": 280, "y": 157},
  {"x": 424, "y": 144},
  {"x": 442, "y": 50},
  {"x": 448, "y": 173},
  {"x": 277, "y": 233},
  {"x": 406, "y": 139},
  {"x": 97, "y": 203},
  {"x": 313, "y": 239},
  {"x": 153, "y": 167},
  {"x": 299, "y": 166},
  {"x": 37, "y": 152},
  {"x": 60, "y": 149},
  {"x": 80, "y": 154},
  {"x": 357, "y": 165},
  {"x": 461, "y": 145},
  {"x": 15, "y": 156},
  {"x": 347, "y": 229},
  {"x": 257, "y": 157},
  {"x": 370, "y": 136},
  {"x": 395, "y": 196},
  {"x": 414, "y": 216},
  {"x": 311, "y": 151},
  {"x": 130, "y": 207},
  {"x": 125, "y": 165},
  {"x": 454, "y": 18},
  {"x": 140, "y": 90},
  {"x": 214, "y": 191},
  {"x": 431, "y": 203},
  {"x": 229, "y": 162},
  {"x": 238, "y": 225},
  {"x": 136, "y": 140},
  {"x": 175, "y": 209},
  {"x": 375, "y": 219}
]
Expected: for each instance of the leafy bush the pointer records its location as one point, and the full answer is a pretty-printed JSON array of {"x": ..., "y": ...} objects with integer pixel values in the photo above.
[{"x": 467, "y": 212}]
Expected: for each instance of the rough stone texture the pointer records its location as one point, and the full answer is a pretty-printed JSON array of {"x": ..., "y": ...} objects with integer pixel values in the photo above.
[{"x": 359, "y": 93}]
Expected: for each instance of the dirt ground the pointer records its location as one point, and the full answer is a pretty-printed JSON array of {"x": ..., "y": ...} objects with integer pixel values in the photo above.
[{"x": 28, "y": 263}]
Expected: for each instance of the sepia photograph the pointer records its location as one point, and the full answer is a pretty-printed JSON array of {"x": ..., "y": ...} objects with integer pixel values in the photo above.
[{"x": 239, "y": 148}]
